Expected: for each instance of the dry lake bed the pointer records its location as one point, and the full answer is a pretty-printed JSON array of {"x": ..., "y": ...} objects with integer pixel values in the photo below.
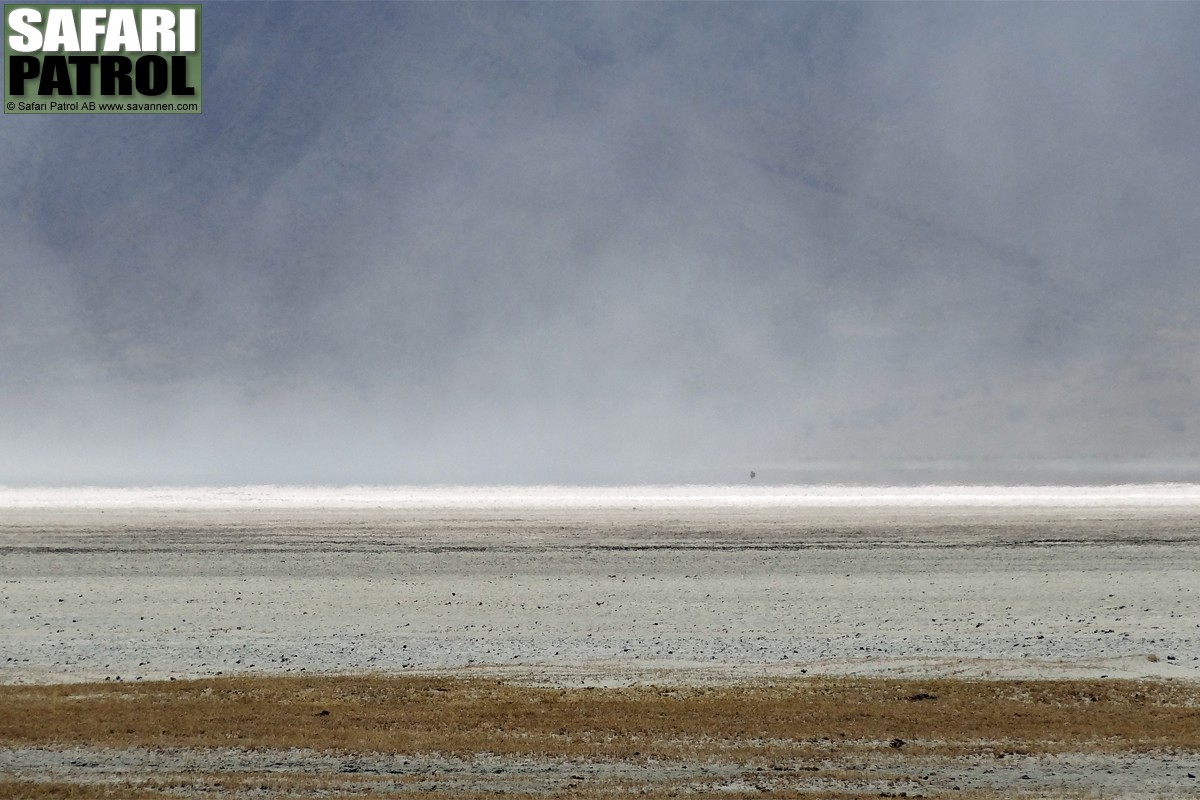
[{"x": 609, "y": 590}]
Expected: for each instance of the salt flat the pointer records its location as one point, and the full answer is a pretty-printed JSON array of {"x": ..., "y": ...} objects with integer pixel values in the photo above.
[{"x": 620, "y": 584}]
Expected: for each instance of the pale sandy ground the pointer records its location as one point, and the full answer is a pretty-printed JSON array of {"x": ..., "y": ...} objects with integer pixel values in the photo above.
[
  {"x": 611, "y": 587},
  {"x": 601, "y": 587}
]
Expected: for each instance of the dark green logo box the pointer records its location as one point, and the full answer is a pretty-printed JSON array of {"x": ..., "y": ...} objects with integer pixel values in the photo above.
[{"x": 88, "y": 59}]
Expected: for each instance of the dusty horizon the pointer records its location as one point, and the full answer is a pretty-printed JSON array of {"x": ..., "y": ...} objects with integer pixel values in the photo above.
[{"x": 619, "y": 243}]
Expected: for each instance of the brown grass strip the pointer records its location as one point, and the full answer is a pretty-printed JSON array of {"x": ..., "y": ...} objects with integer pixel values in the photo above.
[
  {"x": 765, "y": 720},
  {"x": 36, "y": 790},
  {"x": 58, "y": 790}
]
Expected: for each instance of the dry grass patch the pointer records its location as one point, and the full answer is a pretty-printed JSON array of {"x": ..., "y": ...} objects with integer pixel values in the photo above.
[
  {"x": 35, "y": 790},
  {"x": 59, "y": 790},
  {"x": 800, "y": 718},
  {"x": 215, "y": 787}
]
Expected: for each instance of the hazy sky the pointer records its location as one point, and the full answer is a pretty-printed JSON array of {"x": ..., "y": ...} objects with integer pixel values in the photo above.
[{"x": 575, "y": 242}]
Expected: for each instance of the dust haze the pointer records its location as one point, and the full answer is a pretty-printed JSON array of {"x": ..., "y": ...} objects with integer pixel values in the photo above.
[{"x": 597, "y": 243}]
